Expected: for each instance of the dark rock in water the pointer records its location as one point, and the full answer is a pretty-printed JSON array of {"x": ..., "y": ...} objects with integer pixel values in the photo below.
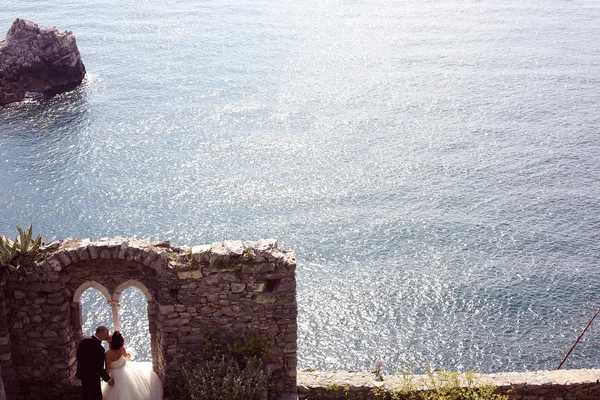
[{"x": 34, "y": 61}]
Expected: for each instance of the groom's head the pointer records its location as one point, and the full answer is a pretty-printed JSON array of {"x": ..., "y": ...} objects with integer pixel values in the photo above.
[{"x": 102, "y": 333}]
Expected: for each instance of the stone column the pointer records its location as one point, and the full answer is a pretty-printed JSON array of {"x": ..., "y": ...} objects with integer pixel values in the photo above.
[{"x": 114, "y": 305}]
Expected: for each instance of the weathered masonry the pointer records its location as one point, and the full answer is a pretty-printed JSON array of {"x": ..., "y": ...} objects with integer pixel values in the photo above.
[
  {"x": 581, "y": 384},
  {"x": 234, "y": 286}
]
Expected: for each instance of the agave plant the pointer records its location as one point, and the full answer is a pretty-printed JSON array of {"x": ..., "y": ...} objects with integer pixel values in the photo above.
[
  {"x": 8, "y": 252},
  {"x": 11, "y": 252},
  {"x": 27, "y": 246}
]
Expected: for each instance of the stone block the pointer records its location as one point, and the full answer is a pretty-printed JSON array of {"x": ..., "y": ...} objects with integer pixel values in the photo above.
[
  {"x": 189, "y": 301},
  {"x": 64, "y": 257},
  {"x": 73, "y": 255},
  {"x": 258, "y": 268},
  {"x": 166, "y": 309},
  {"x": 201, "y": 253},
  {"x": 122, "y": 250},
  {"x": 150, "y": 258},
  {"x": 222, "y": 278},
  {"x": 83, "y": 253},
  {"x": 191, "y": 285},
  {"x": 266, "y": 244},
  {"x": 106, "y": 253},
  {"x": 137, "y": 256},
  {"x": 173, "y": 322},
  {"x": 234, "y": 247},
  {"x": 158, "y": 263},
  {"x": 276, "y": 255},
  {"x": 93, "y": 250},
  {"x": 56, "y": 300},
  {"x": 208, "y": 309},
  {"x": 212, "y": 298},
  {"x": 196, "y": 274},
  {"x": 185, "y": 317},
  {"x": 53, "y": 276},
  {"x": 265, "y": 299},
  {"x": 55, "y": 263},
  {"x": 256, "y": 287},
  {"x": 219, "y": 250},
  {"x": 237, "y": 287}
]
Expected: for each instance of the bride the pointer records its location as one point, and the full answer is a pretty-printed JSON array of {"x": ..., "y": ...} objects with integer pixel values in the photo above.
[{"x": 133, "y": 380}]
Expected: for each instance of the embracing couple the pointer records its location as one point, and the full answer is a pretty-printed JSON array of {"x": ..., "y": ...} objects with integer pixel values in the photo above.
[{"x": 124, "y": 381}]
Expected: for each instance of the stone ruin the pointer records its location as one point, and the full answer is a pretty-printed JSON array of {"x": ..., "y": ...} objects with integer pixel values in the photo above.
[{"x": 234, "y": 286}]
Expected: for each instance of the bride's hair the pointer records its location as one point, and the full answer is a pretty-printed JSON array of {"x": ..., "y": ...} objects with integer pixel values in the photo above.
[{"x": 117, "y": 341}]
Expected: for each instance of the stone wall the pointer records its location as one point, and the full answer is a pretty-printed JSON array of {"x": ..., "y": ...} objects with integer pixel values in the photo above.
[
  {"x": 5, "y": 353},
  {"x": 2, "y": 392},
  {"x": 233, "y": 286},
  {"x": 583, "y": 384}
]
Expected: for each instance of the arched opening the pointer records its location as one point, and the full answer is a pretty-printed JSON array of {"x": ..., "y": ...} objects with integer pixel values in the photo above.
[
  {"x": 95, "y": 311},
  {"x": 94, "y": 305},
  {"x": 89, "y": 309},
  {"x": 139, "y": 326},
  {"x": 133, "y": 320}
]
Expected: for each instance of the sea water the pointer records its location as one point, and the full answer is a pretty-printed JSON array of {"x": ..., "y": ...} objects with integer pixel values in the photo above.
[{"x": 433, "y": 164}]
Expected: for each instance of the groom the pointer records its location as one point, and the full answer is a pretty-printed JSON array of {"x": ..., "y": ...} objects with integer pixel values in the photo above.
[{"x": 90, "y": 364}]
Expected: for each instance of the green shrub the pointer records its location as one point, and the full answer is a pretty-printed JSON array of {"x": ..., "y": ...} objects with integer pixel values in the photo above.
[
  {"x": 440, "y": 385},
  {"x": 222, "y": 378},
  {"x": 228, "y": 368}
]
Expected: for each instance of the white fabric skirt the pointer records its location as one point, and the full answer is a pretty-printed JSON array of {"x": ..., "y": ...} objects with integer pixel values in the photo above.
[{"x": 133, "y": 381}]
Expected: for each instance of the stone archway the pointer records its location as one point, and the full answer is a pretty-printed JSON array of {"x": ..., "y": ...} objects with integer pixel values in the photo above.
[
  {"x": 235, "y": 286},
  {"x": 111, "y": 275},
  {"x": 151, "y": 310},
  {"x": 76, "y": 304},
  {"x": 132, "y": 282}
]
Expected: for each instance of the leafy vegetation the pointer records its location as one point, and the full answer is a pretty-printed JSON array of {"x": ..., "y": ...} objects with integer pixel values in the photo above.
[
  {"x": 228, "y": 368},
  {"x": 248, "y": 255},
  {"x": 223, "y": 378},
  {"x": 12, "y": 253},
  {"x": 440, "y": 385}
]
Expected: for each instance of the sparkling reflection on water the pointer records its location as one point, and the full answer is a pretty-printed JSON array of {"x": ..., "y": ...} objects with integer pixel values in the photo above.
[{"x": 433, "y": 164}]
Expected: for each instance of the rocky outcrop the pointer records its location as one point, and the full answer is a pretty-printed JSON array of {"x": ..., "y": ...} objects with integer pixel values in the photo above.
[{"x": 37, "y": 61}]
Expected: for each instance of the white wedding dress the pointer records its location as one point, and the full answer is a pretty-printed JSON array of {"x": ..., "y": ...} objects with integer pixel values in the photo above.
[{"x": 133, "y": 381}]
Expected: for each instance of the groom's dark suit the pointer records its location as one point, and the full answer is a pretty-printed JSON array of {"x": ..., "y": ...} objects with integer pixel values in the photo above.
[{"x": 90, "y": 367}]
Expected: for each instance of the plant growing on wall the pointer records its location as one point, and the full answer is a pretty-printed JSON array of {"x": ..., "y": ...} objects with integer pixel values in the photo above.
[
  {"x": 229, "y": 367},
  {"x": 12, "y": 253},
  {"x": 439, "y": 385}
]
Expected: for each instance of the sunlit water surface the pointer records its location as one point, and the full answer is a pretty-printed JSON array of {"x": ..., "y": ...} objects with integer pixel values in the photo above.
[{"x": 433, "y": 164}]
